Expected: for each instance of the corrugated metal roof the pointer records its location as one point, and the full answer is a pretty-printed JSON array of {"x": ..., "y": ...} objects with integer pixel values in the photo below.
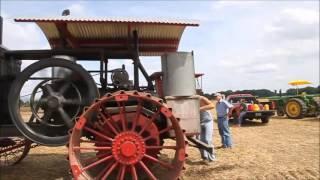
[
  {"x": 112, "y": 19},
  {"x": 156, "y": 36}
]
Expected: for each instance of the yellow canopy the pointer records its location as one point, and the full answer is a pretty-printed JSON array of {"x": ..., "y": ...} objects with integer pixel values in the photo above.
[{"x": 299, "y": 82}]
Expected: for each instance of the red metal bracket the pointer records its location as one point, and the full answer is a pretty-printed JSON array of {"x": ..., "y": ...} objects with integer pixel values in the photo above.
[
  {"x": 166, "y": 112},
  {"x": 80, "y": 124},
  {"x": 121, "y": 97}
]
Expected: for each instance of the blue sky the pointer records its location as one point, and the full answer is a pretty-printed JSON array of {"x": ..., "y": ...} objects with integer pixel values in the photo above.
[{"x": 238, "y": 45}]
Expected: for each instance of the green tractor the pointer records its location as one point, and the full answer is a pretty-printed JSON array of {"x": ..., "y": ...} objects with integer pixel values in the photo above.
[{"x": 297, "y": 106}]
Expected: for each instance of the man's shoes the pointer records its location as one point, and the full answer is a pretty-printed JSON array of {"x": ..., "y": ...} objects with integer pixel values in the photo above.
[
  {"x": 213, "y": 160},
  {"x": 220, "y": 147}
]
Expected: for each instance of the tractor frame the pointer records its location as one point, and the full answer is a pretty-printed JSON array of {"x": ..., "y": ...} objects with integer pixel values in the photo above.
[{"x": 125, "y": 124}]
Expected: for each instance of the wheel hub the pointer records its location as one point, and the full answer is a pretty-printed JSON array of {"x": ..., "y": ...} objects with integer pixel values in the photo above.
[
  {"x": 293, "y": 109},
  {"x": 53, "y": 102},
  {"x": 128, "y": 148}
]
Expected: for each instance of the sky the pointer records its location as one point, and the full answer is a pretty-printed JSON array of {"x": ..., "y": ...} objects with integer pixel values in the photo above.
[{"x": 238, "y": 45}]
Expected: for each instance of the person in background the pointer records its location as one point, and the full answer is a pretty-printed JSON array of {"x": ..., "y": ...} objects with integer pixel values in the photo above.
[
  {"x": 206, "y": 122},
  {"x": 223, "y": 109},
  {"x": 243, "y": 111}
]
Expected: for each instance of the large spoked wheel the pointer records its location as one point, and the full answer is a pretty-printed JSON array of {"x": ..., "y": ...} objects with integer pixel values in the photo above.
[
  {"x": 295, "y": 108},
  {"x": 13, "y": 150},
  {"x": 47, "y": 96},
  {"x": 119, "y": 137}
]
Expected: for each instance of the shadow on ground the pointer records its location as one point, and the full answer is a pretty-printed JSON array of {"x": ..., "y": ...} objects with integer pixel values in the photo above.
[
  {"x": 248, "y": 123},
  {"x": 303, "y": 119},
  {"x": 50, "y": 166}
]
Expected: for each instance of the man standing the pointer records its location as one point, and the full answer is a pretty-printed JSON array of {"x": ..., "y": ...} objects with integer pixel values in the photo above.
[
  {"x": 243, "y": 111},
  {"x": 223, "y": 109},
  {"x": 206, "y": 122}
]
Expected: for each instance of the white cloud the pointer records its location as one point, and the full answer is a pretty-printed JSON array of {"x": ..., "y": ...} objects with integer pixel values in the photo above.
[
  {"x": 293, "y": 36},
  {"x": 304, "y": 16},
  {"x": 219, "y": 5},
  {"x": 260, "y": 68},
  {"x": 78, "y": 9},
  {"x": 243, "y": 65},
  {"x": 284, "y": 46},
  {"x": 294, "y": 24},
  {"x": 17, "y": 36},
  {"x": 22, "y": 36}
]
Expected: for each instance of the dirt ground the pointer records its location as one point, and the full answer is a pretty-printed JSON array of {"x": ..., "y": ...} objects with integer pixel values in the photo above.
[{"x": 282, "y": 149}]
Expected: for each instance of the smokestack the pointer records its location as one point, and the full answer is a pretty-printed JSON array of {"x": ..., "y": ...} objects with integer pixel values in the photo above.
[{"x": 66, "y": 12}]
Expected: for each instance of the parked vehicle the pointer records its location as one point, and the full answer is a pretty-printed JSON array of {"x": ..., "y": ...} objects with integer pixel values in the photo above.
[
  {"x": 255, "y": 110},
  {"x": 297, "y": 106}
]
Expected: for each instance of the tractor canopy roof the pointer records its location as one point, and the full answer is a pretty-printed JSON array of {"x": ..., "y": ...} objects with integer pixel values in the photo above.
[{"x": 156, "y": 36}]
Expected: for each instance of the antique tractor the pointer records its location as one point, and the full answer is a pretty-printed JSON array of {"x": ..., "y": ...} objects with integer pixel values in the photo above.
[
  {"x": 115, "y": 127},
  {"x": 298, "y": 106}
]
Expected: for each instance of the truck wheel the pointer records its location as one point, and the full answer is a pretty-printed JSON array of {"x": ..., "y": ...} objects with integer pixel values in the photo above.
[
  {"x": 265, "y": 120},
  {"x": 295, "y": 108},
  {"x": 234, "y": 117},
  {"x": 280, "y": 112}
]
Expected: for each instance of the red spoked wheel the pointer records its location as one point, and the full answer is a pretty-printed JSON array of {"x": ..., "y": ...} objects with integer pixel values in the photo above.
[
  {"x": 118, "y": 137},
  {"x": 13, "y": 150}
]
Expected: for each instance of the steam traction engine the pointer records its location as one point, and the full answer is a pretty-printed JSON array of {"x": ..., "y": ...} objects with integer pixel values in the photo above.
[{"x": 117, "y": 128}]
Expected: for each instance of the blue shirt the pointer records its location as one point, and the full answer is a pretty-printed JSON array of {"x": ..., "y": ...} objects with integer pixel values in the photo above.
[{"x": 222, "y": 108}]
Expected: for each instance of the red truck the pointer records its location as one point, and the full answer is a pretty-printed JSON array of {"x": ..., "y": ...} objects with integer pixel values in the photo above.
[{"x": 255, "y": 110}]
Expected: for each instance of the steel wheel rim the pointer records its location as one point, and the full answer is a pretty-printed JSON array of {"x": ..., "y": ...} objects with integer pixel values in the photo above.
[
  {"x": 293, "y": 109},
  {"x": 115, "y": 165},
  {"x": 14, "y": 151},
  {"x": 17, "y": 86}
]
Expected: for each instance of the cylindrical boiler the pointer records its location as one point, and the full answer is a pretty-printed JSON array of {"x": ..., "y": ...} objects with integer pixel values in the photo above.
[{"x": 178, "y": 74}]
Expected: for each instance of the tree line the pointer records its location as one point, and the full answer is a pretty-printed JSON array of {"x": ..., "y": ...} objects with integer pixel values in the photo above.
[{"x": 268, "y": 93}]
